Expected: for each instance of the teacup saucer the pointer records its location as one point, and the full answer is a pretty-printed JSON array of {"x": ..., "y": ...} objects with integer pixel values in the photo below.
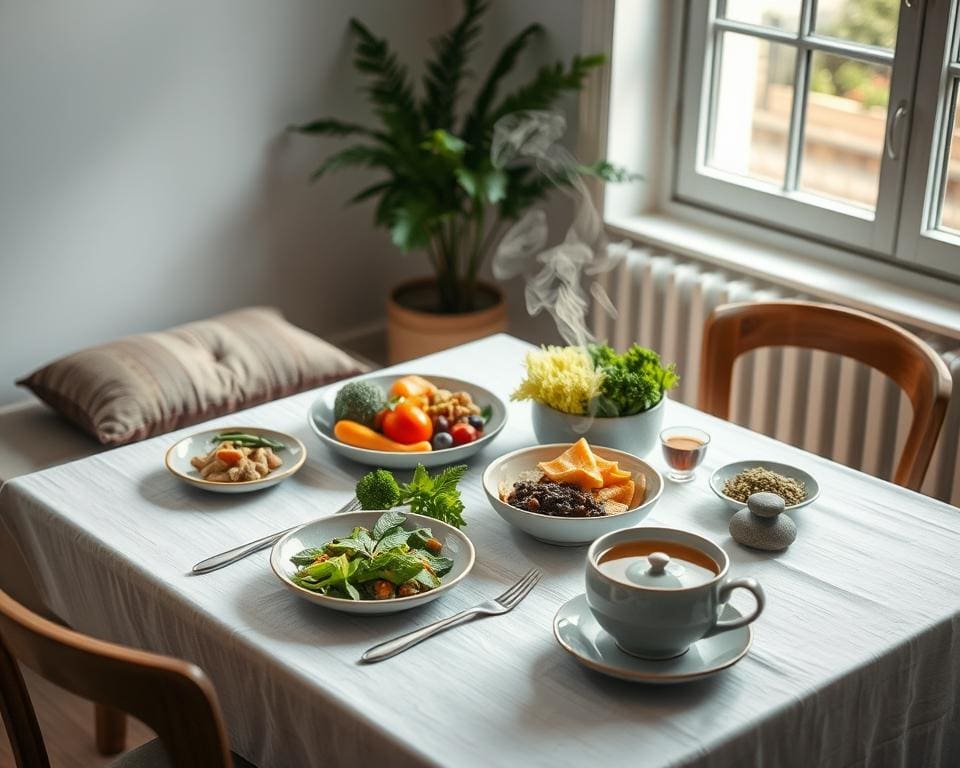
[{"x": 582, "y": 637}]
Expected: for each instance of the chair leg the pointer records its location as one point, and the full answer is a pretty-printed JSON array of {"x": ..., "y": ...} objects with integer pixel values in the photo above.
[{"x": 110, "y": 726}]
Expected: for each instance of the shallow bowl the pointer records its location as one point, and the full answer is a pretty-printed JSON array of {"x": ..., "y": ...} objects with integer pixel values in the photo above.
[
  {"x": 456, "y": 546},
  {"x": 638, "y": 434},
  {"x": 720, "y": 476},
  {"x": 177, "y": 459},
  {"x": 567, "y": 531},
  {"x": 322, "y": 421}
]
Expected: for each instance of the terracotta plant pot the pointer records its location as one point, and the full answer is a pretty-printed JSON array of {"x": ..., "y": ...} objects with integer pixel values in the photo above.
[{"x": 414, "y": 330}]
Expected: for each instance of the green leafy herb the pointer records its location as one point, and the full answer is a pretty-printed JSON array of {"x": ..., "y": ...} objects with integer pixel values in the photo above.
[
  {"x": 437, "y": 497},
  {"x": 386, "y": 522},
  {"x": 486, "y": 413},
  {"x": 632, "y": 382},
  {"x": 357, "y": 566}
]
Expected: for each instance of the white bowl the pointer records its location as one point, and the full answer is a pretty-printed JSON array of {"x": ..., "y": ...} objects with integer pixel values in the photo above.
[
  {"x": 566, "y": 531},
  {"x": 638, "y": 434},
  {"x": 720, "y": 476},
  {"x": 322, "y": 421},
  {"x": 456, "y": 546},
  {"x": 179, "y": 454}
]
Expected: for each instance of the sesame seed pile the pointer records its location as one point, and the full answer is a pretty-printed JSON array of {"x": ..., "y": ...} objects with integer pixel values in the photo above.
[{"x": 759, "y": 479}]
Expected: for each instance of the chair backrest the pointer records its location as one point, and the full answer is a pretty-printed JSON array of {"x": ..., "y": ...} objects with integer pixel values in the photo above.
[
  {"x": 733, "y": 329},
  {"x": 173, "y": 697}
]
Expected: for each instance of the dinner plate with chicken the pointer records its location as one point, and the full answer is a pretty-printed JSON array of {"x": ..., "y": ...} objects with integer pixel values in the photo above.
[{"x": 235, "y": 459}]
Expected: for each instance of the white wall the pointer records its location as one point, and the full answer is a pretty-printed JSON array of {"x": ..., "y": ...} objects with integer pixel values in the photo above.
[{"x": 145, "y": 178}]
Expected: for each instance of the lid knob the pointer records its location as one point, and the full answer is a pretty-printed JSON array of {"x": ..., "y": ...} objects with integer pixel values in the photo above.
[{"x": 658, "y": 563}]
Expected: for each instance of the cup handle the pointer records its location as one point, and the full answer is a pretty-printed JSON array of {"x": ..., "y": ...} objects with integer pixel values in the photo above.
[{"x": 725, "y": 590}]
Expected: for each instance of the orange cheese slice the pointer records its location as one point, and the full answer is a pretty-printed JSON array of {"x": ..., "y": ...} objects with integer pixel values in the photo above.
[
  {"x": 577, "y": 465},
  {"x": 610, "y": 471},
  {"x": 621, "y": 492}
]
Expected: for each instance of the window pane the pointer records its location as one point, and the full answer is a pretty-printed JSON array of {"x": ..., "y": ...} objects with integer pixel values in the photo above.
[
  {"x": 752, "y": 120},
  {"x": 843, "y": 138},
  {"x": 950, "y": 208},
  {"x": 873, "y": 22},
  {"x": 784, "y": 14}
]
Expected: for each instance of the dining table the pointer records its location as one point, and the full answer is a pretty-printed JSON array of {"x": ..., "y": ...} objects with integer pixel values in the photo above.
[{"x": 855, "y": 660}]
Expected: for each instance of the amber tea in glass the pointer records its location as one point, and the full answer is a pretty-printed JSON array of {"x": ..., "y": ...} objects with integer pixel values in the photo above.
[{"x": 683, "y": 450}]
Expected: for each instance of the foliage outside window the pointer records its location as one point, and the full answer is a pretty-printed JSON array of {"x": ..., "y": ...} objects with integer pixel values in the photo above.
[{"x": 811, "y": 116}]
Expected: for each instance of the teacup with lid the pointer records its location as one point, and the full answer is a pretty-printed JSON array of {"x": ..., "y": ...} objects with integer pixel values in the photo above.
[{"x": 659, "y": 590}]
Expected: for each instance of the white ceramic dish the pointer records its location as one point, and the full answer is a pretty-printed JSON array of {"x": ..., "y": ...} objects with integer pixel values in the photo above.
[
  {"x": 720, "y": 476},
  {"x": 638, "y": 434},
  {"x": 321, "y": 421},
  {"x": 456, "y": 546},
  {"x": 567, "y": 531},
  {"x": 179, "y": 454},
  {"x": 579, "y": 634}
]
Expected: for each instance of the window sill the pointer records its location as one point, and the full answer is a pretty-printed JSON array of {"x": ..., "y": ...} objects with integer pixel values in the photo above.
[{"x": 920, "y": 301}]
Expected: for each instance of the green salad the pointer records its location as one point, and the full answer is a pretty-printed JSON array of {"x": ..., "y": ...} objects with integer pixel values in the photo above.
[{"x": 381, "y": 564}]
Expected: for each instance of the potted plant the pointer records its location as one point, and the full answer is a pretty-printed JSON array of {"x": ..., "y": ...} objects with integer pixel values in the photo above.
[
  {"x": 614, "y": 400},
  {"x": 441, "y": 194}
]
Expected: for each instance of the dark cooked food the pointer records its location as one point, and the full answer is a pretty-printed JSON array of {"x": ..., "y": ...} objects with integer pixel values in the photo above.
[{"x": 555, "y": 499}]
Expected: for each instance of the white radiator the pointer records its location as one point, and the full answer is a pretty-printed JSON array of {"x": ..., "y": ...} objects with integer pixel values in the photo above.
[{"x": 823, "y": 403}]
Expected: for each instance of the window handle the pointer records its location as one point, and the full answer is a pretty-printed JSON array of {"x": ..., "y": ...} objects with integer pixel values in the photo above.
[{"x": 892, "y": 140}]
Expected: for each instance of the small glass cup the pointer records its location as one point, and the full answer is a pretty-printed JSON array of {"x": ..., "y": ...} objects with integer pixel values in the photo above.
[{"x": 683, "y": 450}]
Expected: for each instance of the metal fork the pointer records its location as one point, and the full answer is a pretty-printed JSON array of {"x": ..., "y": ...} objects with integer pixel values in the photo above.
[
  {"x": 238, "y": 553},
  {"x": 505, "y": 602}
]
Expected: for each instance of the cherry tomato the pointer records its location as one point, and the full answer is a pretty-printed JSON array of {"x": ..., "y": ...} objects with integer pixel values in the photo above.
[
  {"x": 462, "y": 433},
  {"x": 407, "y": 423}
]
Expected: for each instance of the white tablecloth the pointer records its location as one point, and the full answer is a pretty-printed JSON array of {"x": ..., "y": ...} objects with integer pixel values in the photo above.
[{"x": 856, "y": 660}]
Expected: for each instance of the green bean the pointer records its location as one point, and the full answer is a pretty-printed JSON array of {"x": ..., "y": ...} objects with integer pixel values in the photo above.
[{"x": 250, "y": 441}]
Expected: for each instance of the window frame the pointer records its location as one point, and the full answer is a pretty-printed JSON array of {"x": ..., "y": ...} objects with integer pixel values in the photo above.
[
  {"x": 794, "y": 211},
  {"x": 938, "y": 77}
]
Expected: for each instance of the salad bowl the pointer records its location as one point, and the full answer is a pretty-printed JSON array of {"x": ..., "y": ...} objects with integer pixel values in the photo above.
[
  {"x": 567, "y": 531},
  {"x": 321, "y": 418},
  {"x": 456, "y": 546}
]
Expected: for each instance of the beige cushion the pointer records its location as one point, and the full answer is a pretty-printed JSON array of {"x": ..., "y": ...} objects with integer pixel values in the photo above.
[{"x": 156, "y": 382}]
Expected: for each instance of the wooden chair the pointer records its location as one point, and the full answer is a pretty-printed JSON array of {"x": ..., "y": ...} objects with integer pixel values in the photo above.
[
  {"x": 173, "y": 697},
  {"x": 733, "y": 329}
]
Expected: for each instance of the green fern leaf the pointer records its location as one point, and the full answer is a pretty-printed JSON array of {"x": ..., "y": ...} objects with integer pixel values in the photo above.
[
  {"x": 390, "y": 89},
  {"x": 371, "y": 191},
  {"x": 446, "y": 71},
  {"x": 357, "y": 155},
  {"x": 331, "y": 127},
  {"x": 548, "y": 85},
  {"x": 475, "y": 126}
]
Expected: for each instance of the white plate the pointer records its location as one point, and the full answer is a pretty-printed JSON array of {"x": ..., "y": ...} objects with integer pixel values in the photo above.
[
  {"x": 582, "y": 637},
  {"x": 456, "y": 546},
  {"x": 321, "y": 420},
  {"x": 567, "y": 531},
  {"x": 720, "y": 476},
  {"x": 179, "y": 455}
]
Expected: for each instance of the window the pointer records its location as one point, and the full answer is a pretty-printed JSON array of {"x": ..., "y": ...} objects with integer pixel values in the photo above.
[{"x": 834, "y": 119}]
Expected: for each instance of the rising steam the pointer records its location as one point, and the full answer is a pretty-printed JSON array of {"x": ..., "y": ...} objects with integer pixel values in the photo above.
[{"x": 554, "y": 276}]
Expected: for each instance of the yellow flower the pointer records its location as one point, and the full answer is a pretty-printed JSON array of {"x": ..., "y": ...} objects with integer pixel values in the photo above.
[{"x": 560, "y": 377}]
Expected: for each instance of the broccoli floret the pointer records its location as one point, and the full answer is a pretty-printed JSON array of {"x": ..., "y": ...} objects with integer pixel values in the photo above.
[
  {"x": 602, "y": 355},
  {"x": 359, "y": 401},
  {"x": 629, "y": 392},
  {"x": 639, "y": 358},
  {"x": 378, "y": 490}
]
